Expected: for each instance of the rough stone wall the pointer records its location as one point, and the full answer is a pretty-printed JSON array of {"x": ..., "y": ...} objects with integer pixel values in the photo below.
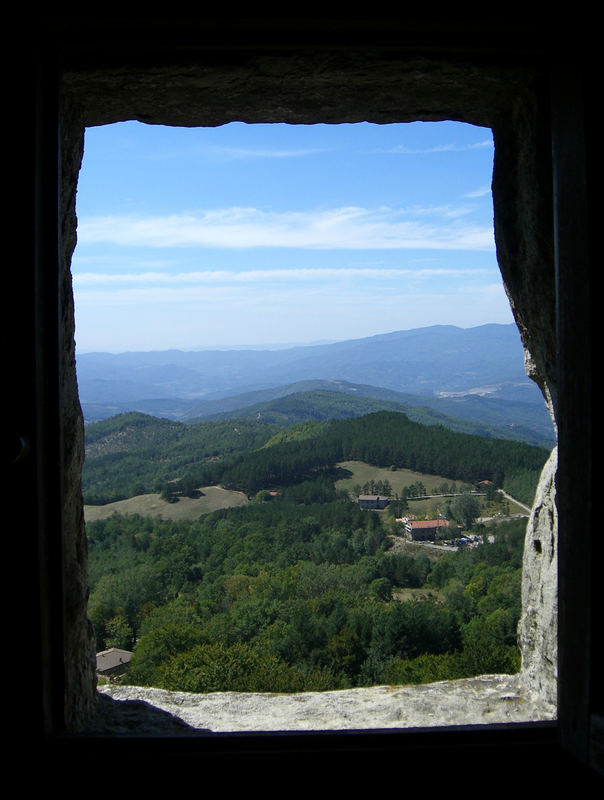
[
  {"x": 80, "y": 675},
  {"x": 522, "y": 197},
  {"x": 337, "y": 86},
  {"x": 538, "y": 625}
]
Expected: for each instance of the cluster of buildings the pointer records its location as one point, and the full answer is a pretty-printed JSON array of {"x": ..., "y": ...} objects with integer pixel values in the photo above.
[
  {"x": 419, "y": 530},
  {"x": 425, "y": 530},
  {"x": 416, "y": 530}
]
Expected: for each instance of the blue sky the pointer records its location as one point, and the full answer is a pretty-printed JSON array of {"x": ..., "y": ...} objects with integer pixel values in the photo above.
[{"x": 263, "y": 234}]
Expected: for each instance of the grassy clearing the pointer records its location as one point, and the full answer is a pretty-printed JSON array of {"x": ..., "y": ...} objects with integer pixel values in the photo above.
[
  {"x": 398, "y": 478},
  {"x": 402, "y": 595},
  {"x": 152, "y": 505}
]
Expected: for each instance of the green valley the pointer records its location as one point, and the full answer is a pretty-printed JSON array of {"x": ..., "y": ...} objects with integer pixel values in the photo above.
[{"x": 293, "y": 587}]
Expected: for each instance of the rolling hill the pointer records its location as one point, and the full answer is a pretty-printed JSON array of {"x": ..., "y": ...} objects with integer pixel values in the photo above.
[
  {"x": 339, "y": 400},
  {"x": 136, "y": 454},
  {"x": 474, "y": 374}
]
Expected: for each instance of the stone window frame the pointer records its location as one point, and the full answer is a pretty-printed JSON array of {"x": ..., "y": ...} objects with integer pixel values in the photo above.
[{"x": 48, "y": 430}]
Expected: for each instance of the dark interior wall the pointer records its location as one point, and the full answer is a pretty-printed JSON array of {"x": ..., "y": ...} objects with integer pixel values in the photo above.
[
  {"x": 319, "y": 82},
  {"x": 212, "y": 72}
]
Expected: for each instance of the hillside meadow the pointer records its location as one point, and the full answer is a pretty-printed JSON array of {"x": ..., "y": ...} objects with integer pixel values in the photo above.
[
  {"x": 213, "y": 498},
  {"x": 398, "y": 478}
]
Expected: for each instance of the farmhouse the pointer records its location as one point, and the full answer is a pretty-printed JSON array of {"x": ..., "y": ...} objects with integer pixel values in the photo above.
[
  {"x": 422, "y": 530},
  {"x": 113, "y": 662},
  {"x": 373, "y": 501}
]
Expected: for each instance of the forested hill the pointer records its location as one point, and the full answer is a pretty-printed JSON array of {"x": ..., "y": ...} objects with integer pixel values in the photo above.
[
  {"x": 382, "y": 439},
  {"x": 356, "y": 401},
  {"x": 134, "y": 453}
]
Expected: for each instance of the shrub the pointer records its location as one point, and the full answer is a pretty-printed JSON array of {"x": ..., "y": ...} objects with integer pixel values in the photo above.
[{"x": 238, "y": 668}]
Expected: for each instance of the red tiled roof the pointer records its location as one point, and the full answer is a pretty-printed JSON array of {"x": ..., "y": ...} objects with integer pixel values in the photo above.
[{"x": 429, "y": 523}]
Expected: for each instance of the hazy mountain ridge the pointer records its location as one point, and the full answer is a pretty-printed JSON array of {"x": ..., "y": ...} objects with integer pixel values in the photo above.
[
  {"x": 421, "y": 361},
  {"x": 474, "y": 374}
]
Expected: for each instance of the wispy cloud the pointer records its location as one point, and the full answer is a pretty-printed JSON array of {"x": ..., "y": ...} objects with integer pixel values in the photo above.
[
  {"x": 225, "y": 153},
  {"x": 481, "y": 191},
  {"x": 450, "y": 147},
  {"x": 339, "y": 228},
  {"x": 240, "y": 153},
  {"x": 214, "y": 277}
]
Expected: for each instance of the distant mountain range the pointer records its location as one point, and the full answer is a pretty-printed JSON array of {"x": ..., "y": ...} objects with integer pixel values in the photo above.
[{"x": 472, "y": 374}]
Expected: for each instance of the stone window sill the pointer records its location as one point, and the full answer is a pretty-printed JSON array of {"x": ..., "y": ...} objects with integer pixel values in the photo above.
[{"x": 487, "y": 699}]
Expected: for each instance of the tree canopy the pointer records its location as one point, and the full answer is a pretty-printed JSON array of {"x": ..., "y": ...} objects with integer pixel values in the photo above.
[{"x": 300, "y": 589}]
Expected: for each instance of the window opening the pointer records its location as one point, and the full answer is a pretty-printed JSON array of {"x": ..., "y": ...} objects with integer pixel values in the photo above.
[{"x": 206, "y": 258}]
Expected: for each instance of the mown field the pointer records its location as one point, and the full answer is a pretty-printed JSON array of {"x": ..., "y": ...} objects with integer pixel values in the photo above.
[
  {"x": 214, "y": 498},
  {"x": 398, "y": 478}
]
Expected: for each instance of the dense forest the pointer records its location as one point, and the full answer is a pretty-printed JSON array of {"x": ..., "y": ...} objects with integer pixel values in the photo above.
[
  {"x": 134, "y": 453},
  {"x": 286, "y": 597},
  {"x": 382, "y": 439},
  {"x": 299, "y": 589},
  {"x": 249, "y": 455}
]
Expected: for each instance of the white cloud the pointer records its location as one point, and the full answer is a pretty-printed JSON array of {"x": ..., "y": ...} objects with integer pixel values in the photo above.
[
  {"x": 239, "y": 153},
  {"x": 288, "y": 295},
  {"x": 481, "y": 191},
  {"x": 340, "y": 228},
  {"x": 92, "y": 279},
  {"x": 224, "y": 153},
  {"x": 451, "y": 147}
]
